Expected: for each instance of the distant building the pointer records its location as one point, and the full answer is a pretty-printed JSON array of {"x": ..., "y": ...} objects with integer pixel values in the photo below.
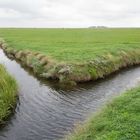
[{"x": 98, "y": 27}]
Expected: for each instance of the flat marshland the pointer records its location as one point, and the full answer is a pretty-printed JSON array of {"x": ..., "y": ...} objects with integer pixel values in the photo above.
[
  {"x": 77, "y": 55},
  {"x": 80, "y": 55},
  {"x": 72, "y": 45},
  {"x": 8, "y": 94}
]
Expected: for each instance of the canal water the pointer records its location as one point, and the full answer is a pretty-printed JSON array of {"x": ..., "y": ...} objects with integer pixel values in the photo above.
[{"x": 46, "y": 112}]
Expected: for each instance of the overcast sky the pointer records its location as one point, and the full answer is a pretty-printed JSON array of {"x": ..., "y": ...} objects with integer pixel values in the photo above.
[{"x": 69, "y": 13}]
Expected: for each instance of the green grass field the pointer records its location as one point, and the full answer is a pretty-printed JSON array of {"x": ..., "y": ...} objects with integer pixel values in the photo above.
[
  {"x": 74, "y": 55},
  {"x": 119, "y": 120},
  {"x": 80, "y": 55},
  {"x": 72, "y": 45},
  {"x": 8, "y": 94}
]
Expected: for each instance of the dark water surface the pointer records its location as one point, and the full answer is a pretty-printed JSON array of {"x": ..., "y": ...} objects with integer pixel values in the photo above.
[{"x": 45, "y": 112}]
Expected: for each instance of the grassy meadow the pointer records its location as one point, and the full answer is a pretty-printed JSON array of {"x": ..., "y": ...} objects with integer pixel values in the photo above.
[
  {"x": 8, "y": 94},
  {"x": 119, "y": 120},
  {"x": 78, "y": 55},
  {"x": 72, "y": 45},
  {"x": 74, "y": 55}
]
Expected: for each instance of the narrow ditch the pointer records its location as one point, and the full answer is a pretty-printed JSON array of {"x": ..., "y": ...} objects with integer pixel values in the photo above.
[{"x": 48, "y": 113}]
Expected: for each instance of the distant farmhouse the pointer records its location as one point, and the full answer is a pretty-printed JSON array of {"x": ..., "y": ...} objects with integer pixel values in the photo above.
[{"x": 98, "y": 27}]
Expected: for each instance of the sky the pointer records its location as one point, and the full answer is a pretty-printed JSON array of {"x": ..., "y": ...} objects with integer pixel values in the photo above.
[{"x": 69, "y": 13}]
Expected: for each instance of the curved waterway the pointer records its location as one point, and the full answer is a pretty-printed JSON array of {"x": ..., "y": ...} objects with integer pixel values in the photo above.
[{"x": 45, "y": 112}]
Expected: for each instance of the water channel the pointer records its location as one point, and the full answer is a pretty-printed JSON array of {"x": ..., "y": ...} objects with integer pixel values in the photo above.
[{"x": 47, "y": 112}]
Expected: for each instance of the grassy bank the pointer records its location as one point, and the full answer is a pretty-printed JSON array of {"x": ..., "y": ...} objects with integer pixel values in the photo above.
[
  {"x": 8, "y": 94},
  {"x": 119, "y": 120},
  {"x": 73, "y": 55}
]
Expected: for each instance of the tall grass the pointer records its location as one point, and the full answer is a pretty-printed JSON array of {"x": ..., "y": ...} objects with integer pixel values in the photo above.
[
  {"x": 8, "y": 94},
  {"x": 119, "y": 120}
]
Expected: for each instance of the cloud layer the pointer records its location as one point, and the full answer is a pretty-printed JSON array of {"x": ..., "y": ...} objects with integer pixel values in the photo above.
[{"x": 69, "y": 13}]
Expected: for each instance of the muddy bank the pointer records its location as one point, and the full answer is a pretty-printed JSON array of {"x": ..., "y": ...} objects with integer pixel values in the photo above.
[{"x": 65, "y": 73}]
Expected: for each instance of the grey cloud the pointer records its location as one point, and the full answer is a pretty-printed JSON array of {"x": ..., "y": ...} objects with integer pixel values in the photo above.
[{"x": 69, "y": 13}]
